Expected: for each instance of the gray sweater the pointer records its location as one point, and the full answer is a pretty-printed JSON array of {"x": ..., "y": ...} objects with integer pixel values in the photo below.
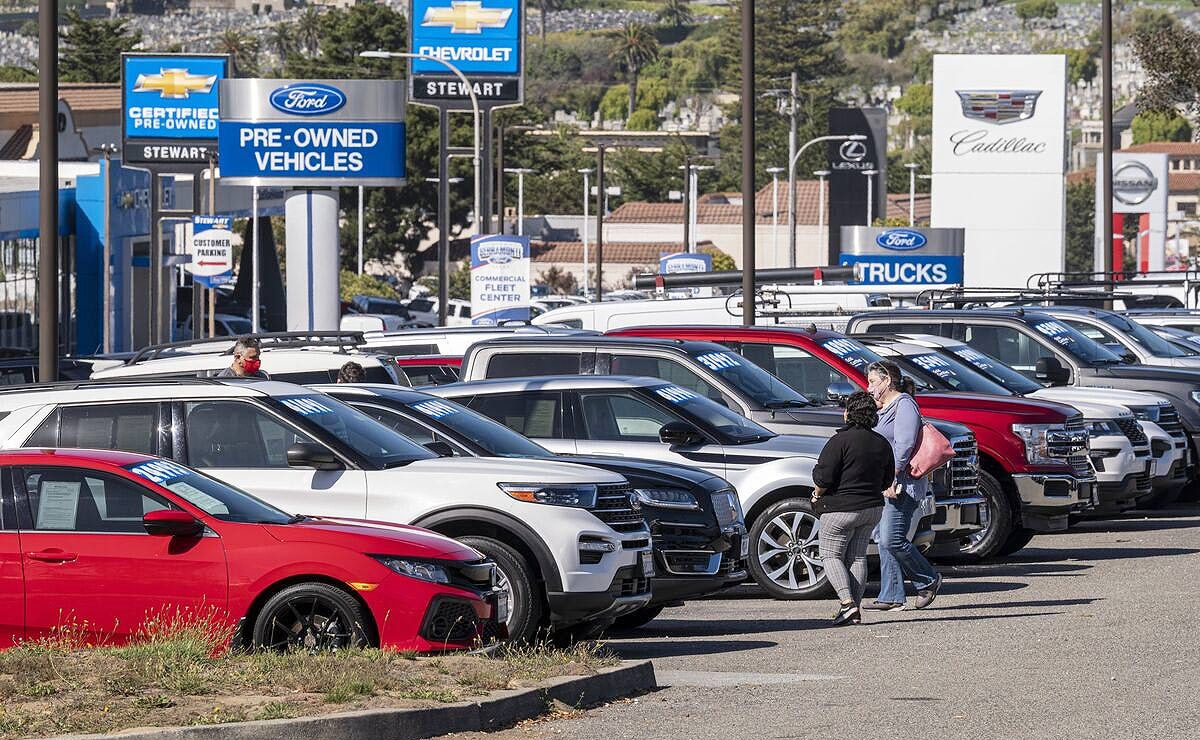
[{"x": 900, "y": 423}]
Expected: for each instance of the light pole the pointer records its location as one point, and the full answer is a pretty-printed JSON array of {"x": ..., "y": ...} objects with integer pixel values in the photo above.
[
  {"x": 694, "y": 194},
  {"x": 791, "y": 177},
  {"x": 520, "y": 172},
  {"x": 501, "y": 129},
  {"x": 870, "y": 175},
  {"x": 912, "y": 192},
  {"x": 586, "y": 171},
  {"x": 821, "y": 175},
  {"x": 774, "y": 172}
]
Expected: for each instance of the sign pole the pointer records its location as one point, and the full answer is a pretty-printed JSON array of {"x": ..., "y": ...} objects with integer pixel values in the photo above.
[
  {"x": 254, "y": 260},
  {"x": 212, "y": 211},
  {"x": 360, "y": 229},
  {"x": 197, "y": 291},
  {"x": 48, "y": 195},
  {"x": 444, "y": 214}
]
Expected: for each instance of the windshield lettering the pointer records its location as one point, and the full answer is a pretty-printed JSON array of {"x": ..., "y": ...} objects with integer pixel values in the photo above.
[
  {"x": 161, "y": 472},
  {"x": 435, "y": 409},
  {"x": 306, "y": 406},
  {"x": 675, "y": 394},
  {"x": 718, "y": 360}
]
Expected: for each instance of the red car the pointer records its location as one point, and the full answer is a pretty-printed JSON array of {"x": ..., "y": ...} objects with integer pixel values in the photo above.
[{"x": 100, "y": 542}]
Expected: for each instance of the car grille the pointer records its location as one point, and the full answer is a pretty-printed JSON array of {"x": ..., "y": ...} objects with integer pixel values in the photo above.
[
  {"x": 691, "y": 562},
  {"x": 614, "y": 507},
  {"x": 1143, "y": 480},
  {"x": 963, "y": 469},
  {"x": 1131, "y": 429},
  {"x": 669, "y": 536},
  {"x": 450, "y": 620},
  {"x": 1081, "y": 466},
  {"x": 1168, "y": 419},
  {"x": 628, "y": 583},
  {"x": 1068, "y": 445}
]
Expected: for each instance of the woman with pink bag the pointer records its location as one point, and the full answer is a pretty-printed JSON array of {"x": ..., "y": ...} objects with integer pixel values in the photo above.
[{"x": 900, "y": 423}]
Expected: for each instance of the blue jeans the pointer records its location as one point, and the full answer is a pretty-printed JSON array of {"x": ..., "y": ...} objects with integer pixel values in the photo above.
[{"x": 898, "y": 557}]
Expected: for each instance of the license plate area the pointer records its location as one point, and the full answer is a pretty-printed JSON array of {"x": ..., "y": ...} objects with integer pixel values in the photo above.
[{"x": 646, "y": 564}]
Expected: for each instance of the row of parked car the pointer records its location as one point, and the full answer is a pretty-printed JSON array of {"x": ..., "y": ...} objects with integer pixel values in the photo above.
[{"x": 590, "y": 479}]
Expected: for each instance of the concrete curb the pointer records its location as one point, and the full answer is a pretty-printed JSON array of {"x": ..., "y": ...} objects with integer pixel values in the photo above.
[{"x": 497, "y": 711}]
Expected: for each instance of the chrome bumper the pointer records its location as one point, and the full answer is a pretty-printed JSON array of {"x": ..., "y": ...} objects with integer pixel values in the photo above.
[{"x": 959, "y": 514}]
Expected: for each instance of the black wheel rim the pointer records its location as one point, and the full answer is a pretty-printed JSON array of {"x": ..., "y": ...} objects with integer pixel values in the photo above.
[{"x": 308, "y": 623}]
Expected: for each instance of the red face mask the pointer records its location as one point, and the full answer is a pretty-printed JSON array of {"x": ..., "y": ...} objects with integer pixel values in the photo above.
[{"x": 250, "y": 367}]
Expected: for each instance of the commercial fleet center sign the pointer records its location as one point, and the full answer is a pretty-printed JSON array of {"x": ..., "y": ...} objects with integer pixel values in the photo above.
[
  {"x": 312, "y": 133},
  {"x": 499, "y": 279}
]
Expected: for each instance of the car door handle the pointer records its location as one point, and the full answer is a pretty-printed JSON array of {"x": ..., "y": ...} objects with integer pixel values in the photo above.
[{"x": 52, "y": 556}]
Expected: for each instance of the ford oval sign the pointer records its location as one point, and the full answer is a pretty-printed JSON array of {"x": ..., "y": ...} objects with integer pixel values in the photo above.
[
  {"x": 307, "y": 99},
  {"x": 901, "y": 240}
]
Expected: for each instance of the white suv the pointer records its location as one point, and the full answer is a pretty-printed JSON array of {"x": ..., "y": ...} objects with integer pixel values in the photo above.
[{"x": 570, "y": 545}]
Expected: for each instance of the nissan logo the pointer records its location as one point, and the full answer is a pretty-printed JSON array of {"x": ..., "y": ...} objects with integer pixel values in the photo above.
[
  {"x": 1133, "y": 183},
  {"x": 853, "y": 151}
]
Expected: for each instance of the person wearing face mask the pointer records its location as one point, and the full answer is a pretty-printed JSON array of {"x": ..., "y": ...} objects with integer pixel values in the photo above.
[
  {"x": 854, "y": 468},
  {"x": 899, "y": 558},
  {"x": 246, "y": 360}
]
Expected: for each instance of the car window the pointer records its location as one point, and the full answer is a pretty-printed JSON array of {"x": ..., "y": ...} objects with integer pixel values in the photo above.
[
  {"x": 1010, "y": 346},
  {"x": 418, "y": 433},
  {"x": 1096, "y": 334},
  {"x": 536, "y": 415},
  {"x": 236, "y": 434},
  {"x": 669, "y": 370},
  {"x": 809, "y": 375},
  {"x": 430, "y": 374},
  {"x": 213, "y": 497},
  {"x": 618, "y": 416},
  {"x": 132, "y": 427},
  {"x": 75, "y": 500},
  {"x": 534, "y": 364}
]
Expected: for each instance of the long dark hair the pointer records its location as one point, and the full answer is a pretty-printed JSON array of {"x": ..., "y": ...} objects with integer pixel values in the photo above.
[
  {"x": 900, "y": 382},
  {"x": 860, "y": 410}
]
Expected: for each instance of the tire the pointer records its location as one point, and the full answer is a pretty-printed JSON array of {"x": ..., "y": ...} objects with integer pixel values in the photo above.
[
  {"x": 1019, "y": 538},
  {"x": 316, "y": 617},
  {"x": 784, "y": 558},
  {"x": 525, "y": 608},
  {"x": 997, "y": 515},
  {"x": 640, "y": 618}
]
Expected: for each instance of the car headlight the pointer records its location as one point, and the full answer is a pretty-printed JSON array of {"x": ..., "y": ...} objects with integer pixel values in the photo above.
[
  {"x": 1034, "y": 437},
  {"x": 667, "y": 498},
  {"x": 420, "y": 569},
  {"x": 727, "y": 508},
  {"x": 1102, "y": 427},
  {"x": 1196, "y": 397},
  {"x": 1148, "y": 413},
  {"x": 582, "y": 495}
]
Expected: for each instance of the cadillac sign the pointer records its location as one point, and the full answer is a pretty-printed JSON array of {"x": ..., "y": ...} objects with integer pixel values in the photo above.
[{"x": 998, "y": 106}]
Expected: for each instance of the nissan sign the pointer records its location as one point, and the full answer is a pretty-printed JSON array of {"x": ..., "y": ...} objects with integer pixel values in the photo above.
[{"x": 1133, "y": 183}]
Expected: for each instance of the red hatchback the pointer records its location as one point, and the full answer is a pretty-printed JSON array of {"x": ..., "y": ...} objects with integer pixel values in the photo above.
[{"x": 100, "y": 542}]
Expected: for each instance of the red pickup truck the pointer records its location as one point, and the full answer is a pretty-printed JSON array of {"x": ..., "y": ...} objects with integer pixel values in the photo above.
[{"x": 1033, "y": 457}]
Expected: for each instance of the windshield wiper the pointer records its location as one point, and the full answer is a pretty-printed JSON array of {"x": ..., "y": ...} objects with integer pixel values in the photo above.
[
  {"x": 297, "y": 518},
  {"x": 780, "y": 403}
]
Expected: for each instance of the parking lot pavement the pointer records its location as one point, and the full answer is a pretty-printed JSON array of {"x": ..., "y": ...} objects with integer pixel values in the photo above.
[{"x": 1087, "y": 634}]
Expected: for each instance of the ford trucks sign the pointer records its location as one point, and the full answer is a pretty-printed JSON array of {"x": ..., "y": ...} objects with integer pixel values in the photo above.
[
  {"x": 901, "y": 240},
  {"x": 913, "y": 256},
  {"x": 312, "y": 99}
]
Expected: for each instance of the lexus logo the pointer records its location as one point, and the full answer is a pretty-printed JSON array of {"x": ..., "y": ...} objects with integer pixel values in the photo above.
[
  {"x": 1133, "y": 183},
  {"x": 853, "y": 151}
]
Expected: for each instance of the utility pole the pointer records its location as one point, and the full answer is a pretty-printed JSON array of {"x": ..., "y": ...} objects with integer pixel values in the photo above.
[
  {"x": 1106, "y": 142},
  {"x": 47, "y": 293},
  {"x": 748, "y": 162},
  {"x": 599, "y": 223}
]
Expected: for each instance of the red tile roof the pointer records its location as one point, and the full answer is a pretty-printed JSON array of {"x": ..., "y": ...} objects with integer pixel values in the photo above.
[
  {"x": 635, "y": 253},
  {"x": 1167, "y": 147},
  {"x": 898, "y": 207},
  {"x": 807, "y": 197},
  {"x": 22, "y": 97},
  {"x": 1181, "y": 182}
]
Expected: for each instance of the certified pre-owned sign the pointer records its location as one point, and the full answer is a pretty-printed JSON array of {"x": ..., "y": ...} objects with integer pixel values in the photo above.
[{"x": 1133, "y": 183}]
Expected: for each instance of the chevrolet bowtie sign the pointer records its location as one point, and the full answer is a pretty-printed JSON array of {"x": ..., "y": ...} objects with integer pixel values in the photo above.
[
  {"x": 466, "y": 17},
  {"x": 174, "y": 83},
  {"x": 170, "y": 109},
  {"x": 481, "y": 38}
]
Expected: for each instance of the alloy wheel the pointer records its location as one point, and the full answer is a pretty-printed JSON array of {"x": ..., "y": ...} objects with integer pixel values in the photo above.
[
  {"x": 309, "y": 623},
  {"x": 788, "y": 550}
]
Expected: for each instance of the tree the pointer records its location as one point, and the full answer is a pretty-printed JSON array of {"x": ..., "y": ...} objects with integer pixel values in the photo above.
[
  {"x": 1168, "y": 58},
  {"x": 1081, "y": 226},
  {"x": 558, "y": 281},
  {"x": 636, "y": 46},
  {"x": 91, "y": 48},
  {"x": 460, "y": 282},
  {"x": 13, "y": 73},
  {"x": 917, "y": 104},
  {"x": 281, "y": 38},
  {"x": 1153, "y": 125},
  {"x": 309, "y": 29},
  {"x": 545, "y": 7},
  {"x": 676, "y": 13},
  {"x": 350, "y": 284},
  {"x": 722, "y": 262},
  {"x": 1148, "y": 21},
  {"x": 876, "y": 26},
  {"x": 1081, "y": 64},
  {"x": 242, "y": 48},
  {"x": 1028, "y": 10},
  {"x": 642, "y": 120}
]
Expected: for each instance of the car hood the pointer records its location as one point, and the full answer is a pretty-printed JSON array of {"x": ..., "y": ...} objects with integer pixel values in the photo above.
[
  {"x": 1028, "y": 409},
  {"x": 660, "y": 472},
  {"x": 373, "y": 538},
  {"x": 1148, "y": 372},
  {"x": 781, "y": 445},
  {"x": 1095, "y": 404},
  {"x": 494, "y": 470}
]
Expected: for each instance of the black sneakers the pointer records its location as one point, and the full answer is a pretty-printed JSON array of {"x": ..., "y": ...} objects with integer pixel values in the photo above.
[
  {"x": 925, "y": 597},
  {"x": 847, "y": 614}
]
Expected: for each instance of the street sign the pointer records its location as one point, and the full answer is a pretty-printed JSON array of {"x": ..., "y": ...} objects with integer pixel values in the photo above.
[
  {"x": 484, "y": 39},
  {"x": 169, "y": 109},
  {"x": 312, "y": 133},
  {"x": 211, "y": 248},
  {"x": 499, "y": 279}
]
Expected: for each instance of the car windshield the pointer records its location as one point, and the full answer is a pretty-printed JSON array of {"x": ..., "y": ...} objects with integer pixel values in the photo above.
[
  {"x": 994, "y": 369},
  {"x": 1074, "y": 343},
  {"x": 218, "y": 500},
  {"x": 761, "y": 386},
  {"x": 491, "y": 436},
  {"x": 379, "y": 444},
  {"x": 238, "y": 327},
  {"x": 948, "y": 373},
  {"x": 1143, "y": 337},
  {"x": 852, "y": 351},
  {"x": 711, "y": 415}
]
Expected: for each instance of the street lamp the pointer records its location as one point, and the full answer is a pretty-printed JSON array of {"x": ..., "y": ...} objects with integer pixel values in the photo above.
[
  {"x": 774, "y": 172},
  {"x": 870, "y": 175},
  {"x": 585, "y": 171},
  {"x": 501, "y": 129},
  {"x": 792, "y": 178},
  {"x": 912, "y": 192},
  {"x": 520, "y": 172},
  {"x": 824, "y": 237}
]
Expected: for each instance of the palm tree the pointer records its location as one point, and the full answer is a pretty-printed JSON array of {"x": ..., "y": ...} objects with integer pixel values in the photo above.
[
  {"x": 308, "y": 29},
  {"x": 242, "y": 48},
  {"x": 676, "y": 13},
  {"x": 544, "y": 8},
  {"x": 282, "y": 40},
  {"x": 636, "y": 46}
]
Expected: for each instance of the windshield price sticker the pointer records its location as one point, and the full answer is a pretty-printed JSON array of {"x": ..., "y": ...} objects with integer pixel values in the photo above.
[
  {"x": 978, "y": 359},
  {"x": 675, "y": 394},
  {"x": 435, "y": 409},
  {"x": 934, "y": 364},
  {"x": 847, "y": 349},
  {"x": 719, "y": 361},
  {"x": 306, "y": 406},
  {"x": 160, "y": 471},
  {"x": 1056, "y": 331}
]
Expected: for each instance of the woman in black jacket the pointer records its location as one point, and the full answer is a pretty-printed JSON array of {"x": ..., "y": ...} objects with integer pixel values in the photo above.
[{"x": 851, "y": 474}]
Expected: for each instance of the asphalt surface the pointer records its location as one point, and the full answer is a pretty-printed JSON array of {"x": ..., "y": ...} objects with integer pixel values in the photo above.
[{"x": 1086, "y": 634}]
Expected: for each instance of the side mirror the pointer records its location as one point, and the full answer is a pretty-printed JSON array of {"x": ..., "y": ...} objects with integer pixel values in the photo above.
[
  {"x": 440, "y": 448},
  {"x": 309, "y": 455},
  {"x": 680, "y": 434},
  {"x": 172, "y": 523},
  {"x": 1050, "y": 370},
  {"x": 838, "y": 392}
]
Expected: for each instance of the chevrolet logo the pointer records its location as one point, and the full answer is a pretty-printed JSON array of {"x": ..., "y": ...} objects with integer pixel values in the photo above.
[
  {"x": 177, "y": 84},
  {"x": 465, "y": 16}
]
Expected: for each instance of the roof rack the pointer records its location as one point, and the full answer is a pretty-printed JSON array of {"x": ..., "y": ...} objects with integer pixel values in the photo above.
[
  {"x": 1189, "y": 280},
  {"x": 982, "y": 297},
  {"x": 75, "y": 385},
  {"x": 343, "y": 340}
]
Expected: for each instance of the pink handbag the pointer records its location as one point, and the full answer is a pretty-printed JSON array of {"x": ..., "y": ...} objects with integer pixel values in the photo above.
[{"x": 933, "y": 451}]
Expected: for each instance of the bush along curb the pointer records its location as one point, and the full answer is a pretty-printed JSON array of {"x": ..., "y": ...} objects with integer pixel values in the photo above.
[{"x": 500, "y": 709}]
